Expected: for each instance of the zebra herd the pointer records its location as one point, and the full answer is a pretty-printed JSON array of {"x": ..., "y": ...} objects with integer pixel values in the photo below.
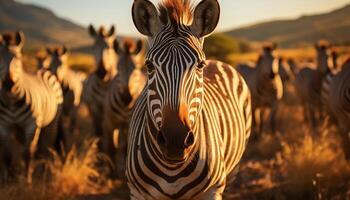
[{"x": 174, "y": 123}]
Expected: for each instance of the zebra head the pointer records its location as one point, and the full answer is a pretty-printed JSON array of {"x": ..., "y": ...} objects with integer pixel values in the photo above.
[
  {"x": 10, "y": 57},
  {"x": 324, "y": 59},
  {"x": 59, "y": 59},
  {"x": 269, "y": 78},
  {"x": 175, "y": 63},
  {"x": 126, "y": 66},
  {"x": 105, "y": 57}
]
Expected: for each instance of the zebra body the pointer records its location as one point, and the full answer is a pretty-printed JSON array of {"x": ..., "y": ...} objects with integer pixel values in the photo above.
[
  {"x": 265, "y": 85},
  {"x": 122, "y": 93},
  {"x": 309, "y": 82},
  {"x": 223, "y": 130},
  {"x": 72, "y": 86},
  {"x": 337, "y": 97},
  {"x": 192, "y": 121},
  {"x": 29, "y": 102},
  {"x": 97, "y": 84}
]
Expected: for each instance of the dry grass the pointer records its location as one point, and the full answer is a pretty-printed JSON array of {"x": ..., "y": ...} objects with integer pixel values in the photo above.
[
  {"x": 77, "y": 174},
  {"x": 315, "y": 168}
]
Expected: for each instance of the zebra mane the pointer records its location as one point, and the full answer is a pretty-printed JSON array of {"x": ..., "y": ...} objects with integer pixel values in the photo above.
[
  {"x": 128, "y": 45},
  {"x": 177, "y": 11}
]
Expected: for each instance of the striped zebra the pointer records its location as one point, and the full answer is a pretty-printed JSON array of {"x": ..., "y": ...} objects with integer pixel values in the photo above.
[
  {"x": 309, "y": 83},
  {"x": 72, "y": 86},
  {"x": 335, "y": 98},
  {"x": 29, "y": 103},
  {"x": 96, "y": 86},
  {"x": 265, "y": 85},
  {"x": 192, "y": 122},
  {"x": 124, "y": 89}
]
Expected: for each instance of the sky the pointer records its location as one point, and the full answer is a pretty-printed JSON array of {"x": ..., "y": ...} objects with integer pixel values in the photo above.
[{"x": 234, "y": 13}]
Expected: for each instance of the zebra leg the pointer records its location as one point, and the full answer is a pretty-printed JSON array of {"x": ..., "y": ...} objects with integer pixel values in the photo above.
[
  {"x": 257, "y": 122},
  {"x": 345, "y": 140},
  {"x": 272, "y": 120},
  {"x": 8, "y": 167},
  {"x": 29, "y": 154},
  {"x": 121, "y": 153}
]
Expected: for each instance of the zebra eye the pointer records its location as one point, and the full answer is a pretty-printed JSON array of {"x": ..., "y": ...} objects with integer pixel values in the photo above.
[
  {"x": 201, "y": 65},
  {"x": 149, "y": 65}
]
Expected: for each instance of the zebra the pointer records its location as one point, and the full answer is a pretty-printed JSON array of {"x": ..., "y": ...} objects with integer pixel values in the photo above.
[
  {"x": 72, "y": 86},
  {"x": 96, "y": 86},
  {"x": 338, "y": 97},
  {"x": 192, "y": 121},
  {"x": 265, "y": 85},
  {"x": 29, "y": 103},
  {"x": 309, "y": 82},
  {"x": 121, "y": 96}
]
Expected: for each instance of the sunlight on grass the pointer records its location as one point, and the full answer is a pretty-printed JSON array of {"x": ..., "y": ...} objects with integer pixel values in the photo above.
[
  {"x": 78, "y": 174},
  {"x": 315, "y": 168}
]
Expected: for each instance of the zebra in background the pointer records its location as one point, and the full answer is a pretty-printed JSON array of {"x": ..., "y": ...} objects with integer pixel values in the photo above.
[
  {"x": 338, "y": 97},
  {"x": 29, "y": 103},
  {"x": 72, "y": 86},
  {"x": 265, "y": 85},
  {"x": 124, "y": 89},
  {"x": 96, "y": 86},
  {"x": 192, "y": 122},
  {"x": 309, "y": 83}
]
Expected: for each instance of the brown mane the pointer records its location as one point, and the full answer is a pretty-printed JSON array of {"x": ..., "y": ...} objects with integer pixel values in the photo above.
[
  {"x": 128, "y": 45},
  {"x": 177, "y": 11}
]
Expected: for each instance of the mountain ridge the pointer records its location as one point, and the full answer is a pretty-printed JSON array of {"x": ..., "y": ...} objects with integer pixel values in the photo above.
[{"x": 304, "y": 30}]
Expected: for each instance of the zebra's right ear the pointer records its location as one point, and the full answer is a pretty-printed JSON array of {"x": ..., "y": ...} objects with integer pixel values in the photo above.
[
  {"x": 92, "y": 31},
  {"x": 49, "y": 51},
  {"x": 206, "y": 17},
  {"x": 145, "y": 17},
  {"x": 138, "y": 48},
  {"x": 116, "y": 47}
]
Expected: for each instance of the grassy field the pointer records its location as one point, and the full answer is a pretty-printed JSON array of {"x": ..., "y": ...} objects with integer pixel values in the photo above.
[{"x": 294, "y": 163}]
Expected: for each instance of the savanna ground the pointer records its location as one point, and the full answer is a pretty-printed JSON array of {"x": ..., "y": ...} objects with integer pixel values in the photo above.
[{"x": 294, "y": 163}]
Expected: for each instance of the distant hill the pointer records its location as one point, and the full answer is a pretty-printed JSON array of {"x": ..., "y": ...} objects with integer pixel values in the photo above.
[
  {"x": 40, "y": 25},
  {"x": 333, "y": 26}
]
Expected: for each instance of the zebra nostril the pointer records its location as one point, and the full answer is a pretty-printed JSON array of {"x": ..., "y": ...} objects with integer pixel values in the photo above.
[
  {"x": 160, "y": 138},
  {"x": 189, "y": 141}
]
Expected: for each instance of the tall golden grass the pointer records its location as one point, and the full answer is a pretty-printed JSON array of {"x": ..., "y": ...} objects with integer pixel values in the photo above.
[{"x": 76, "y": 174}]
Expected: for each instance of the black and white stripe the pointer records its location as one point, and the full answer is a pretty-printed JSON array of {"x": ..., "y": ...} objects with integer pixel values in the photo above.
[
  {"x": 191, "y": 123},
  {"x": 28, "y": 102},
  {"x": 124, "y": 89},
  {"x": 266, "y": 86},
  {"x": 96, "y": 86}
]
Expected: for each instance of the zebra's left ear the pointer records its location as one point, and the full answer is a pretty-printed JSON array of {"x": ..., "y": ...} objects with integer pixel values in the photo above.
[
  {"x": 19, "y": 39},
  {"x": 64, "y": 50},
  {"x": 206, "y": 17},
  {"x": 138, "y": 48}
]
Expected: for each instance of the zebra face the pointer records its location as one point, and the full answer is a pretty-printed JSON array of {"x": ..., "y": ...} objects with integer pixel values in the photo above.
[
  {"x": 175, "y": 65},
  {"x": 103, "y": 51},
  {"x": 324, "y": 59},
  {"x": 59, "y": 59},
  {"x": 175, "y": 89},
  {"x": 127, "y": 64},
  {"x": 269, "y": 77},
  {"x": 10, "y": 56}
]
